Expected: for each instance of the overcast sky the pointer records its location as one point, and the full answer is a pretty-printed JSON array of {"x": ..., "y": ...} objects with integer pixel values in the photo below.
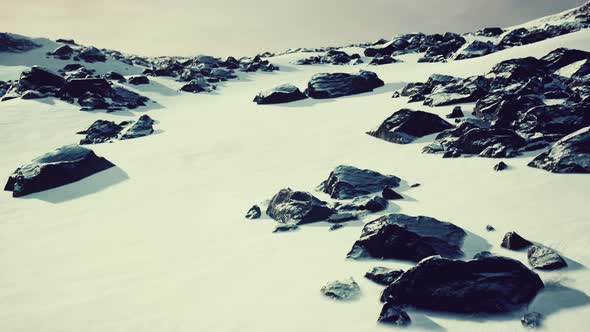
[{"x": 240, "y": 27}]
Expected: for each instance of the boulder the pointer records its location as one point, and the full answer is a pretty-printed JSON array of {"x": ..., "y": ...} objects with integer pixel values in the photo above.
[
  {"x": 466, "y": 90},
  {"x": 387, "y": 48},
  {"x": 513, "y": 241},
  {"x": 92, "y": 54},
  {"x": 486, "y": 285},
  {"x": 63, "y": 52},
  {"x": 77, "y": 87},
  {"x": 375, "y": 204},
  {"x": 62, "y": 166},
  {"x": 346, "y": 182},
  {"x": 281, "y": 94},
  {"x": 298, "y": 207},
  {"x": 332, "y": 85},
  {"x": 405, "y": 125},
  {"x": 139, "y": 79},
  {"x": 111, "y": 75},
  {"x": 544, "y": 258},
  {"x": 489, "y": 142},
  {"x": 500, "y": 166},
  {"x": 522, "y": 36},
  {"x": 490, "y": 32},
  {"x": 37, "y": 77},
  {"x": 475, "y": 49},
  {"x": 531, "y": 320},
  {"x": 126, "y": 98},
  {"x": 100, "y": 131},
  {"x": 390, "y": 194},
  {"x": 562, "y": 57},
  {"x": 196, "y": 86},
  {"x": 142, "y": 127},
  {"x": 383, "y": 60},
  {"x": 393, "y": 314},
  {"x": 342, "y": 290},
  {"x": 554, "y": 119},
  {"x": 383, "y": 275},
  {"x": 571, "y": 154},
  {"x": 404, "y": 237},
  {"x": 13, "y": 44},
  {"x": 456, "y": 113},
  {"x": 254, "y": 212},
  {"x": 517, "y": 70}
]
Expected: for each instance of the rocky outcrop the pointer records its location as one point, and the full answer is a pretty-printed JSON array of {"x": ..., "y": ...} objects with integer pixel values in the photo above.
[
  {"x": 475, "y": 49},
  {"x": 571, "y": 154},
  {"x": 332, "y": 85},
  {"x": 333, "y": 57},
  {"x": 14, "y": 44},
  {"x": 346, "y": 182}
]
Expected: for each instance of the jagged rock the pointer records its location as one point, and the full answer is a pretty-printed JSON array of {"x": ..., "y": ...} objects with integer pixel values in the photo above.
[
  {"x": 456, "y": 113},
  {"x": 66, "y": 41},
  {"x": 142, "y": 127},
  {"x": 571, "y": 154},
  {"x": 254, "y": 212},
  {"x": 490, "y": 228},
  {"x": 490, "y": 32},
  {"x": 390, "y": 194},
  {"x": 531, "y": 320},
  {"x": 298, "y": 207},
  {"x": 513, "y": 241},
  {"x": 281, "y": 94},
  {"x": 375, "y": 204},
  {"x": 555, "y": 119},
  {"x": 63, "y": 52},
  {"x": 77, "y": 87},
  {"x": 382, "y": 60},
  {"x": 346, "y": 182},
  {"x": 342, "y": 290},
  {"x": 383, "y": 275},
  {"x": 515, "y": 71},
  {"x": 100, "y": 131},
  {"x": 32, "y": 94},
  {"x": 400, "y": 236},
  {"x": 37, "y": 77},
  {"x": 393, "y": 314},
  {"x": 92, "y": 54},
  {"x": 405, "y": 125},
  {"x": 562, "y": 57},
  {"x": 138, "y": 80},
  {"x": 522, "y": 36},
  {"x": 457, "y": 92},
  {"x": 334, "y": 57},
  {"x": 111, "y": 75},
  {"x": 62, "y": 166},
  {"x": 500, "y": 166},
  {"x": 486, "y": 285},
  {"x": 127, "y": 98},
  {"x": 476, "y": 49},
  {"x": 331, "y": 85},
  {"x": 396, "y": 94},
  {"x": 489, "y": 142},
  {"x": 14, "y": 44},
  {"x": 387, "y": 48},
  {"x": 288, "y": 227},
  {"x": 442, "y": 50},
  {"x": 544, "y": 258}
]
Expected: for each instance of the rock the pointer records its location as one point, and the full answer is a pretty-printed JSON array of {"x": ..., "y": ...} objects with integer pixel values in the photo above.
[
  {"x": 63, "y": 52},
  {"x": 390, "y": 194},
  {"x": 405, "y": 125},
  {"x": 467, "y": 90},
  {"x": 515, "y": 71},
  {"x": 32, "y": 94},
  {"x": 37, "y": 77},
  {"x": 334, "y": 57},
  {"x": 141, "y": 127},
  {"x": 62, "y": 166},
  {"x": 254, "y": 212},
  {"x": 383, "y": 275},
  {"x": 13, "y": 44},
  {"x": 92, "y": 54},
  {"x": 79, "y": 86},
  {"x": 298, "y": 207},
  {"x": 66, "y": 41},
  {"x": 387, "y": 48},
  {"x": 196, "y": 86},
  {"x": 288, "y": 227},
  {"x": 522, "y": 36},
  {"x": 375, "y": 204},
  {"x": 394, "y": 315},
  {"x": 500, "y": 166},
  {"x": 482, "y": 254},
  {"x": 475, "y": 49},
  {"x": 138, "y": 80},
  {"x": 544, "y": 258},
  {"x": 111, "y": 75},
  {"x": 450, "y": 43},
  {"x": 494, "y": 143},
  {"x": 335, "y": 227},
  {"x": 396, "y": 94},
  {"x": 486, "y": 285},
  {"x": 346, "y": 182},
  {"x": 490, "y": 32},
  {"x": 456, "y": 113},
  {"x": 342, "y": 290},
  {"x": 281, "y": 94},
  {"x": 562, "y": 57},
  {"x": 126, "y": 98},
  {"x": 513, "y": 241},
  {"x": 415, "y": 185},
  {"x": 382, "y": 60},
  {"x": 531, "y": 320},
  {"x": 100, "y": 131},
  {"x": 332, "y": 85},
  {"x": 554, "y": 119},
  {"x": 404, "y": 237},
  {"x": 571, "y": 154}
]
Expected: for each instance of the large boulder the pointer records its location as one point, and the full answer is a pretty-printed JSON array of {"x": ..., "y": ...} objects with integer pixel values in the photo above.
[
  {"x": 331, "y": 85},
  {"x": 555, "y": 119},
  {"x": 62, "y": 166},
  {"x": 127, "y": 98},
  {"x": 399, "y": 236},
  {"x": 79, "y": 86},
  {"x": 281, "y": 94},
  {"x": 515, "y": 71},
  {"x": 487, "y": 285},
  {"x": 562, "y": 57},
  {"x": 571, "y": 154},
  {"x": 297, "y": 206},
  {"x": 544, "y": 258},
  {"x": 92, "y": 54},
  {"x": 522, "y": 36},
  {"x": 490, "y": 142},
  {"x": 37, "y": 77},
  {"x": 405, "y": 125},
  {"x": 346, "y": 182}
]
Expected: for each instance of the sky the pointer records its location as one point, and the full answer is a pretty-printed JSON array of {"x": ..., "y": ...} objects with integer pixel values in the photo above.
[{"x": 245, "y": 27}]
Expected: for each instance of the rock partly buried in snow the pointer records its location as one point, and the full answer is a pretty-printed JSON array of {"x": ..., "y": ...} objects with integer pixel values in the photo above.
[
  {"x": 400, "y": 236},
  {"x": 405, "y": 125},
  {"x": 139, "y": 80},
  {"x": 531, "y": 320},
  {"x": 100, "y": 131},
  {"x": 456, "y": 113},
  {"x": 346, "y": 182},
  {"x": 62, "y": 166},
  {"x": 254, "y": 212},
  {"x": 92, "y": 54},
  {"x": 544, "y": 258},
  {"x": 393, "y": 314},
  {"x": 486, "y": 285},
  {"x": 37, "y": 77},
  {"x": 13, "y": 44},
  {"x": 458, "y": 91},
  {"x": 332, "y": 85},
  {"x": 500, "y": 166},
  {"x": 281, "y": 94},
  {"x": 375, "y": 204},
  {"x": 142, "y": 127},
  {"x": 390, "y": 194},
  {"x": 476, "y": 49},
  {"x": 514, "y": 241},
  {"x": 383, "y": 275},
  {"x": 571, "y": 154},
  {"x": 342, "y": 290},
  {"x": 288, "y": 227},
  {"x": 562, "y": 57},
  {"x": 297, "y": 206},
  {"x": 79, "y": 86}
]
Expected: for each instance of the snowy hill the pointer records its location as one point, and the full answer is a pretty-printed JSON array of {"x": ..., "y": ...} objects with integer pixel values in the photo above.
[{"x": 160, "y": 243}]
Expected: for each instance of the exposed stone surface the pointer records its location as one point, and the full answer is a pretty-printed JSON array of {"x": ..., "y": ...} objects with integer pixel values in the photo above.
[
  {"x": 532, "y": 320},
  {"x": 383, "y": 275},
  {"x": 405, "y": 125},
  {"x": 346, "y": 182},
  {"x": 254, "y": 212},
  {"x": 298, "y": 207},
  {"x": 544, "y": 258},
  {"x": 281, "y": 94},
  {"x": 394, "y": 315},
  {"x": 332, "y": 85},
  {"x": 15, "y": 44},
  {"x": 571, "y": 154},
  {"x": 513, "y": 241},
  {"x": 342, "y": 290}
]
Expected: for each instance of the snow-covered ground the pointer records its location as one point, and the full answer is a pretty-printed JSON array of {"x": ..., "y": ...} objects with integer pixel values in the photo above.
[{"x": 160, "y": 243}]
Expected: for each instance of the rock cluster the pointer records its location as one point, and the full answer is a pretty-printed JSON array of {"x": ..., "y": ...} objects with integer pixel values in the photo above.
[
  {"x": 333, "y": 57},
  {"x": 14, "y": 44}
]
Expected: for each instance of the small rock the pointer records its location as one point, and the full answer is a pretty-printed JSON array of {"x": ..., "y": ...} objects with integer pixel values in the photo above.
[
  {"x": 532, "y": 320},
  {"x": 336, "y": 226},
  {"x": 281, "y": 94},
  {"x": 141, "y": 127},
  {"x": 500, "y": 166},
  {"x": 391, "y": 194},
  {"x": 383, "y": 275},
  {"x": 285, "y": 228},
  {"x": 394, "y": 314},
  {"x": 456, "y": 113},
  {"x": 490, "y": 228},
  {"x": 139, "y": 80},
  {"x": 342, "y": 290},
  {"x": 254, "y": 212},
  {"x": 297, "y": 206},
  {"x": 513, "y": 241},
  {"x": 376, "y": 204},
  {"x": 544, "y": 258}
]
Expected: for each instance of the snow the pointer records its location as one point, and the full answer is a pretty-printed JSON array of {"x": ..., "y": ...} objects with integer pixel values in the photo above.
[{"x": 160, "y": 243}]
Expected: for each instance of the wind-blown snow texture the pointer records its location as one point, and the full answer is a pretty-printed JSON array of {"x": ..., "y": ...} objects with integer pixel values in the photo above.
[{"x": 159, "y": 243}]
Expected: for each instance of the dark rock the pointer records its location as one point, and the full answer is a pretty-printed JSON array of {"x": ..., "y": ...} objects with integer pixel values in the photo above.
[
  {"x": 531, "y": 320},
  {"x": 544, "y": 258},
  {"x": 288, "y": 227},
  {"x": 490, "y": 32},
  {"x": 100, "y": 131},
  {"x": 400, "y": 236},
  {"x": 138, "y": 80},
  {"x": 111, "y": 75},
  {"x": 334, "y": 57},
  {"x": 196, "y": 86},
  {"x": 72, "y": 67},
  {"x": 32, "y": 94},
  {"x": 571, "y": 154},
  {"x": 66, "y": 41},
  {"x": 77, "y": 87},
  {"x": 36, "y": 78},
  {"x": 63, "y": 52},
  {"x": 342, "y": 290},
  {"x": 375, "y": 204},
  {"x": 331, "y": 85},
  {"x": 382, "y": 60},
  {"x": 515, "y": 71},
  {"x": 415, "y": 185},
  {"x": 513, "y": 241},
  {"x": 486, "y": 285},
  {"x": 142, "y": 127},
  {"x": 281, "y": 94},
  {"x": 298, "y": 207},
  {"x": 500, "y": 166},
  {"x": 390, "y": 194},
  {"x": 336, "y": 226},
  {"x": 127, "y": 98},
  {"x": 346, "y": 182},
  {"x": 562, "y": 57},
  {"x": 492, "y": 143},
  {"x": 396, "y": 94},
  {"x": 62, "y": 166},
  {"x": 442, "y": 50},
  {"x": 522, "y": 36},
  {"x": 387, "y": 48},
  {"x": 394, "y": 315},
  {"x": 92, "y": 54},
  {"x": 14, "y": 44},
  {"x": 555, "y": 119},
  {"x": 456, "y": 113},
  {"x": 383, "y": 275},
  {"x": 476, "y": 49},
  {"x": 463, "y": 91},
  {"x": 482, "y": 254},
  {"x": 405, "y": 125},
  {"x": 254, "y": 212}
]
